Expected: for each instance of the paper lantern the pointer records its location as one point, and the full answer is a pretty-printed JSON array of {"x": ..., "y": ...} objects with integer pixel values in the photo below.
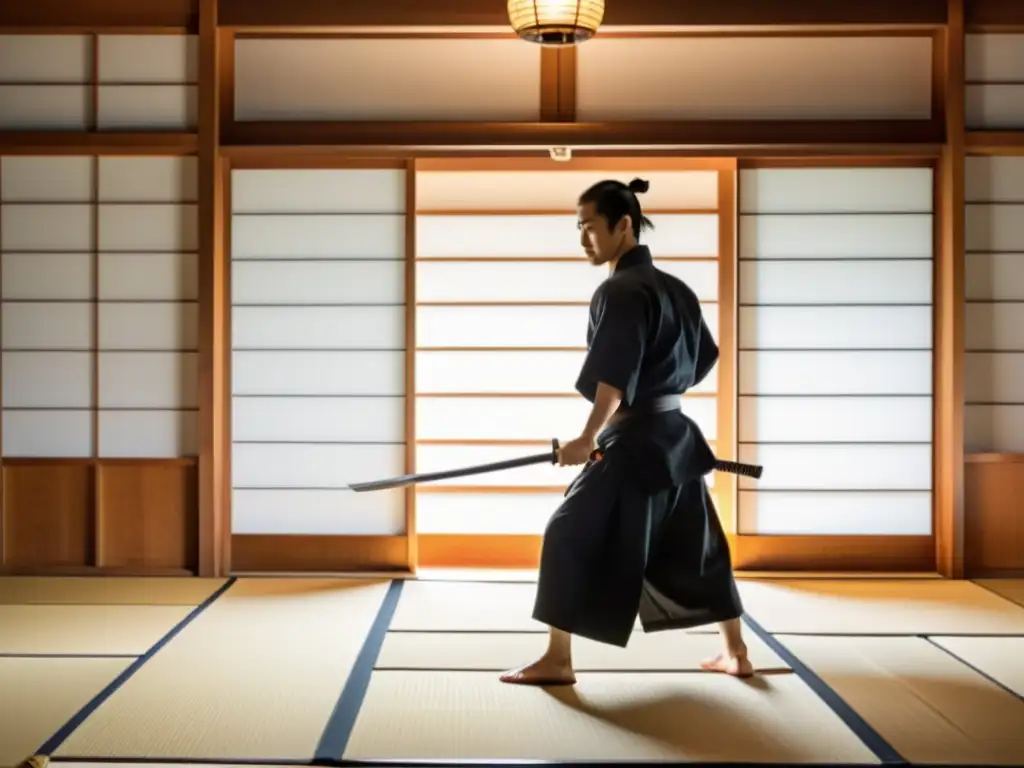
[{"x": 556, "y": 22}]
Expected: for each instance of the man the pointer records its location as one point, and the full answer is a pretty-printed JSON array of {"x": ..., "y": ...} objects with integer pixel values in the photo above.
[{"x": 637, "y": 533}]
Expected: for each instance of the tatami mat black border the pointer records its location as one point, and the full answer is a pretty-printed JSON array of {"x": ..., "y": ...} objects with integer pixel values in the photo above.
[
  {"x": 338, "y": 730},
  {"x": 872, "y": 739},
  {"x": 54, "y": 742}
]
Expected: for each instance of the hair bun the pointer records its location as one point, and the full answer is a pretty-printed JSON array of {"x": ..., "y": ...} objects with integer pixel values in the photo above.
[{"x": 639, "y": 186}]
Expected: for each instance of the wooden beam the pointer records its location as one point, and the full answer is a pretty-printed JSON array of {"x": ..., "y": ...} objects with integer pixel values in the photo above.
[
  {"x": 98, "y": 15},
  {"x": 995, "y": 142},
  {"x": 97, "y": 143},
  {"x": 211, "y": 243},
  {"x": 948, "y": 490},
  {"x": 990, "y": 15},
  {"x": 722, "y": 135},
  {"x": 351, "y": 13}
]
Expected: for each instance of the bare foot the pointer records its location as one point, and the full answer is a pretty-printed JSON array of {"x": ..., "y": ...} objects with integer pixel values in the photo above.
[
  {"x": 737, "y": 666},
  {"x": 542, "y": 672}
]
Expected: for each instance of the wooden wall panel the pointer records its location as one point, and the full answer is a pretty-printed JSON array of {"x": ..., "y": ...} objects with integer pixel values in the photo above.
[
  {"x": 994, "y": 72},
  {"x": 148, "y": 515},
  {"x": 387, "y": 79},
  {"x": 994, "y": 536},
  {"x": 48, "y": 518},
  {"x": 320, "y": 554},
  {"x": 754, "y": 78}
]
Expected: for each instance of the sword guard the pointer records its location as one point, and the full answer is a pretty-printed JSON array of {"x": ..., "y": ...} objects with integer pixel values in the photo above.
[{"x": 554, "y": 450}]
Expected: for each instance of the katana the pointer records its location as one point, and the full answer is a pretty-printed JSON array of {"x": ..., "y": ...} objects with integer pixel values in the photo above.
[{"x": 549, "y": 457}]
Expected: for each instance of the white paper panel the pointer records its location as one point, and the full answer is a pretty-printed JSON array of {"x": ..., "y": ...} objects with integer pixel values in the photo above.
[
  {"x": 994, "y": 57},
  {"x": 835, "y": 373},
  {"x": 45, "y": 58},
  {"x": 835, "y": 327},
  {"x": 148, "y": 380},
  {"x": 491, "y": 513},
  {"x": 149, "y": 276},
  {"x": 56, "y": 276},
  {"x": 805, "y": 78},
  {"x": 341, "y": 236},
  {"x": 44, "y": 107},
  {"x": 994, "y": 378},
  {"x": 906, "y": 236},
  {"x": 994, "y": 227},
  {"x": 46, "y": 179},
  {"x": 437, "y": 458},
  {"x": 498, "y": 281},
  {"x": 442, "y": 79},
  {"x": 148, "y": 107},
  {"x": 994, "y": 428},
  {"x": 148, "y": 227},
  {"x": 47, "y": 379},
  {"x": 835, "y": 514},
  {"x": 507, "y": 372},
  {"x": 47, "y": 326},
  {"x": 836, "y": 190},
  {"x": 325, "y": 282},
  {"x": 350, "y": 190},
  {"x": 318, "y": 373},
  {"x": 148, "y": 58},
  {"x": 526, "y": 418},
  {"x": 319, "y": 419},
  {"x": 835, "y": 419},
  {"x": 513, "y": 326},
  {"x": 839, "y": 467},
  {"x": 47, "y": 434},
  {"x": 557, "y": 190},
  {"x": 994, "y": 107},
  {"x": 524, "y": 237},
  {"x": 313, "y": 466},
  {"x": 995, "y": 277},
  {"x": 148, "y": 434},
  {"x": 994, "y": 178},
  {"x": 318, "y": 327},
  {"x": 839, "y": 282},
  {"x": 156, "y": 326},
  {"x": 998, "y": 326},
  {"x": 149, "y": 179},
  {"x": 46, "y": 228},
  {"x": 299, "y": 512}
]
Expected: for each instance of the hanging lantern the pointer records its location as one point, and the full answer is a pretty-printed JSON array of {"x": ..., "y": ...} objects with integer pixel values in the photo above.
[{"x": 556, "y": 22}]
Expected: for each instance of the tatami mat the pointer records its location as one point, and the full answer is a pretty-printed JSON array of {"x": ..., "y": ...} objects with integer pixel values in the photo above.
[
  {"x": 926, "y": 704},
  {"x": 490, "y": 652},
  {"x": 443, "y": 606},
  {"x": 110, "y": 590},
  {"x": 469, "y": 715},
  {"x": 256, "y": 676},
  {"x": 90, "y": 630},
  {"x": 908, "y": 607},
  {"x": 37, "y": 696},
  {"x": 1011, "y": 589},
  {"x": 1001, "y": 658}
]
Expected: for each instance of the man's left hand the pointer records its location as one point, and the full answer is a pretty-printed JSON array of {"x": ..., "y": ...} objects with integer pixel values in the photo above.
[{"x": 576, "y": 451}]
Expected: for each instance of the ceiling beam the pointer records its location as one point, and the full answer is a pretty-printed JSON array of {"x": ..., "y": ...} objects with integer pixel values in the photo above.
[
  {"x": 659, "y": 13},
  {"x": 91, "y": 15}
]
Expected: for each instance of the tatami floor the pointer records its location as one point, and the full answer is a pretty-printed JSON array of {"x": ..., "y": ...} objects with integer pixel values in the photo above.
[{"x": 290, "y": 670}]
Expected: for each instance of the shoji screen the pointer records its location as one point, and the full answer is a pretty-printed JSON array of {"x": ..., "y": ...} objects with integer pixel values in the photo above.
[
  {"x": 835, "y": 361},
  {"x": 99, "y": 339},
  {"x": 994, "y": 70},
  {"x": 318, "y": 334},
  {"x": 994, "y": 333},
  {"x": 104, "y": 82},
  {"x": 502, "y": 294}
]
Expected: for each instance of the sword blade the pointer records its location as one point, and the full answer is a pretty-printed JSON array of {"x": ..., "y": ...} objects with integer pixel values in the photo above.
[{"x": 479, "y": 469}]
